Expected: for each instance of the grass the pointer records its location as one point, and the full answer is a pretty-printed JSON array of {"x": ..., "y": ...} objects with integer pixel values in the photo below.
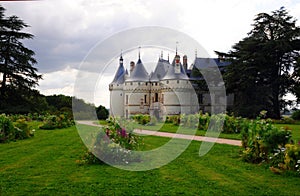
[
  {"x": 45, "y": 165},
  {"x": 168, "y": 127}
]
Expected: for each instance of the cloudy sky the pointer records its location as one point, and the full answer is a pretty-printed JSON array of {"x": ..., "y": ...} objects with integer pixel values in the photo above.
[{"x": 66, "y": 31}]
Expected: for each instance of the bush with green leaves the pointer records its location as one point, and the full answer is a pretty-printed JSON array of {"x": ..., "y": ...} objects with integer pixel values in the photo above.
[
  {"x": 7, "y": 130},
  {"x": 203, "y": 121},
  {"x": 261, "y": 139},
  {"x": 23, "y": 130},
  {"x": 18, "y": 130},
  {"x": 57, "y": 122},
  {"x": 142, "y": 119},
  {"x": 115, "y": 144},
  {"x": 296, "y": 115},
  {"x": 286, "y": 159}
]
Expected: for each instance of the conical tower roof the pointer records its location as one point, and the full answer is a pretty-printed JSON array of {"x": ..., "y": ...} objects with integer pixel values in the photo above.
[
  {"x": 120, "y": 74},
  {"x": 171, "y": 75},
  {"x": 160, "y": 70},
  {"x": 139, "y": 73}
]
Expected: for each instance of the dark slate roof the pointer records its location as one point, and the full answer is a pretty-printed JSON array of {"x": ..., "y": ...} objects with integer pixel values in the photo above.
[
  {"x": 160, "y": 70},
  {"x": 204, "y": 63},
  {"x": 209, "y": 62},
  {"x": 120, "y": 75},
  {"x": 139, "y": 73},
  {"x": 171, "y": 75}
]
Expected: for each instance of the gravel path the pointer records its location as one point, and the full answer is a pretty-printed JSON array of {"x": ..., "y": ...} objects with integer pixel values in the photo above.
[{"x": 175, "y": 135}]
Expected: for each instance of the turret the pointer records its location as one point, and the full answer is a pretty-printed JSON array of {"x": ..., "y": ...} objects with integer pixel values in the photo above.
[
  {"x": 132, "y": 66},
  {"x": 184, "y": 61},
  {"x": 177, "y": 64}
]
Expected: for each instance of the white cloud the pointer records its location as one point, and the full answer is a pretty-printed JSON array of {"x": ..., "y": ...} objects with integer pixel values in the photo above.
[
  {"x": 66, "y": 30},
  {"x": 58, "y": 82}
]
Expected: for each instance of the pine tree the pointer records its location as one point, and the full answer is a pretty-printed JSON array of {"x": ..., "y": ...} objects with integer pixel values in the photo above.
[
  {"x": 16, "y": 61},
  {"x": 263, "y": 63}
]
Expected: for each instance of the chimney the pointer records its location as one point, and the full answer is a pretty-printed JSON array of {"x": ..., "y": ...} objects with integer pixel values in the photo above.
[
  {"x": 184, "y": 62},
  {"x": 132, "y": 65}
]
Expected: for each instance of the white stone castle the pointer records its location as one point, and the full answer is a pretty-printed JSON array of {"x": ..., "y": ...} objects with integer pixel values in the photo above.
[{"x": 168, "y": 90}]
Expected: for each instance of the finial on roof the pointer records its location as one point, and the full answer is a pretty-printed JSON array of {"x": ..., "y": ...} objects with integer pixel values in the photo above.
[
  {"x": 176, "y": 48},
  {"x": 121, "y": 55},
  {"x": 168, "y": 56},
  {"x": 139, "y": 52},
  {"x": 162, "y": 54},
  {"x": 196, "y": 53}
]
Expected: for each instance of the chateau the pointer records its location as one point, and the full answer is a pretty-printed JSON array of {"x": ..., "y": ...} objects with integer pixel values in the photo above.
[{"x": 170, "y": 89}]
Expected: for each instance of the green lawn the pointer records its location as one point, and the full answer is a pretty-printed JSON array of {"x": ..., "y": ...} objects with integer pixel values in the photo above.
[
  {"x": 46, "y": 165},
  {"x": 167, "y": 127}
]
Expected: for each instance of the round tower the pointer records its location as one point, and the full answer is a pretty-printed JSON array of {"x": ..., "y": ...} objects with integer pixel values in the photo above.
[
  {"x": 116, "y": 91},
  {"x": 136, "y": 91}
]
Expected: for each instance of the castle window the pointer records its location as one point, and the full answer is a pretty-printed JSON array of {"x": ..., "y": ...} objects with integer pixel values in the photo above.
[
  {"x": 142, "y": 104},
  {"x": 139, "y": 83},
  {"x": 121, "y": 94},
  {"x": 131, "y": 83},
  {"x": 167, "y": 81},
  {"x": 146, "y": 83},
  {"x": 162, "y": 98},
  {"x": 177, "y": 81},
  {"x": 156, "y": 97},
  {"x": 126, "y": 99},
  {"x": 145, "y": 98},
  {"x": 155, "y": 83}
]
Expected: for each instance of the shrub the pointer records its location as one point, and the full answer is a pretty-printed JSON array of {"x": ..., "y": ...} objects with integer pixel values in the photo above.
[
  {"x": 285, "y": 120},
  {"x": 57, "y": 122},
  {"x": 7, "y": 130},
  {"x": 261, "y": 139},
  {"x": 17, "y": 131},
  {"x": 114, "y": 144},
  {"x": 23, "y": 130},
  {"x": 192, "y": 121},
  {"x": 203, "y": 121},
  {"x": 287, "y": 158},
  {"x": 296, "y": 115},
  {"x": 153, "y": 121},
  {"x": 142, "y": 119}
]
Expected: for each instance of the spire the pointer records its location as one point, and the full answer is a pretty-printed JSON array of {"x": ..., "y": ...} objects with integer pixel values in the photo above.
[
  {"x": 168, "y": 57},
  {"x": 176, "y": 48},
  {"x": 195, "y": 53},
  {"x": 121, "y": 58},
  {"x": 139, "y": 52},
  {"x": 162, "y": 54}
]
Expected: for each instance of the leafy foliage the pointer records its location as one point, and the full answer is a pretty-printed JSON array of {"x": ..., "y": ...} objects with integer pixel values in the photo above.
[
  {"x": 57, "y": 122},
  {"x": 11, "y": 132},
  {"x": 7, "y": 130},
  {"x": 264, "y": 65},
  {"x": 17, "y": 62},
  {"x": 102, "y": 113},
  {"x": 142, "y": 119},
  {"x": 261, "y": 139},
  {"x": 114, "y": 144},
  {"x": 296, "y": 115}
]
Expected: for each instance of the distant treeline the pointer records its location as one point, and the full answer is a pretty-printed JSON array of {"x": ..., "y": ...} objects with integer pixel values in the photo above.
[{"x": 53, "y": 104}]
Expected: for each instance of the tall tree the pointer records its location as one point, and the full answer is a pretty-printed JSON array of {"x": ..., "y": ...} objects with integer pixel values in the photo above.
[
  {"x": 263, "y": 63},
  {"x": 16, "y": 61}
]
